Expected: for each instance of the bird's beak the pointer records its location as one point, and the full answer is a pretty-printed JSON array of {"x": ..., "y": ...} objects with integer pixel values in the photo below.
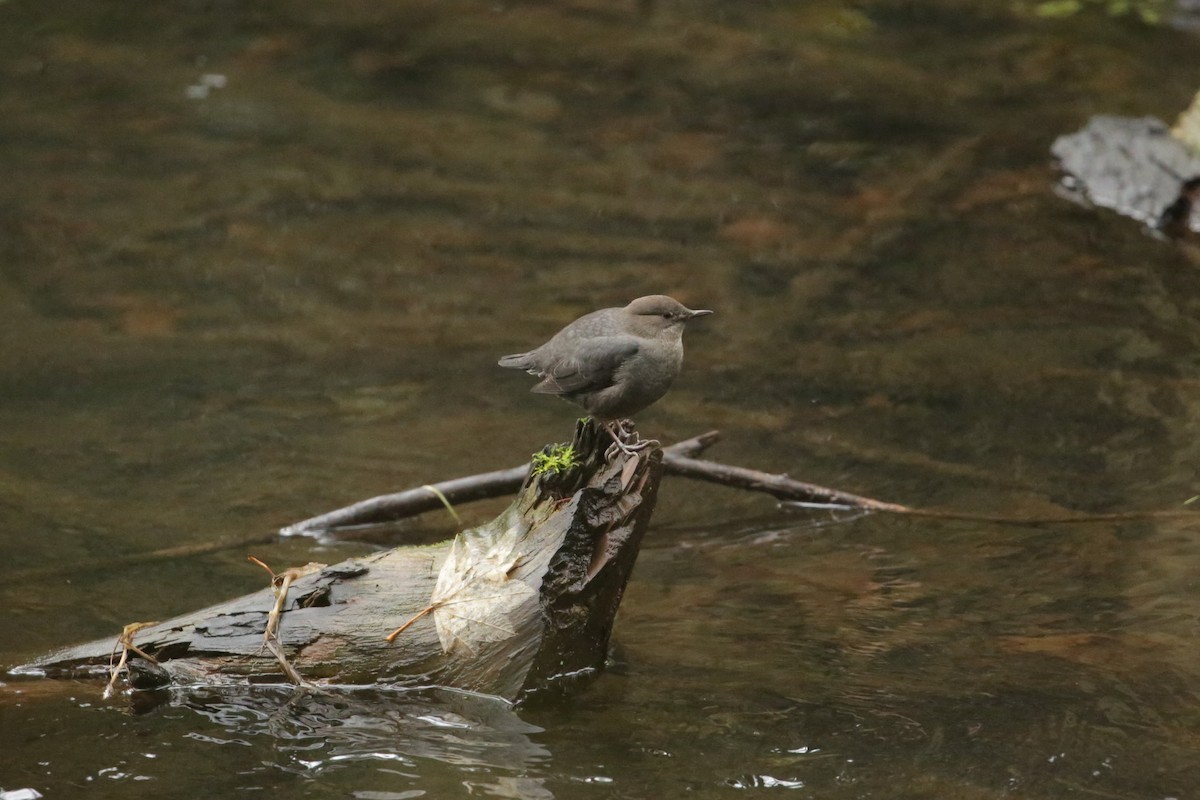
[{"x": 700, "y": 313}]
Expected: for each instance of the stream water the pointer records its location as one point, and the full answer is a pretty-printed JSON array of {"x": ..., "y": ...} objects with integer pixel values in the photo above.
[{"x": 257, "y": 261}]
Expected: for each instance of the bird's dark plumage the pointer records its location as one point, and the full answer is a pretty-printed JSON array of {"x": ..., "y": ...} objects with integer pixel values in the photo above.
[{"x": 613, "y": 362}]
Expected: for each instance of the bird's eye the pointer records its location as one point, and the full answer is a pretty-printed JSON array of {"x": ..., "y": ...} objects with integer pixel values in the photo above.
[{"x": 666, "y": 315}]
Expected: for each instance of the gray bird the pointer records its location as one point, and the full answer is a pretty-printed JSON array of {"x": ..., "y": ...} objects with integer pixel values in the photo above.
[{"x": 613, "y": 362}]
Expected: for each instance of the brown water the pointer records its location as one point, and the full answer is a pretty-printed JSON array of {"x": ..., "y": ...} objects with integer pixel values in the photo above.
[{"x": 257, "y": 261}]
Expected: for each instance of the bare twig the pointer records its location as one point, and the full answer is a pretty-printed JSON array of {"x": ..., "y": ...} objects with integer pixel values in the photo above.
[
  {"x": 280, "y": 583},
  {"x": 779, "y": 486},
  {"x": 125, "y": 642},
  {"x": 795, "y": 493},
  {"x": 391, "y": 637},
  {"x": 288, "y": 670},
  {"x": 1053, "y": 519},
  {"x": 409, "y": 503}
]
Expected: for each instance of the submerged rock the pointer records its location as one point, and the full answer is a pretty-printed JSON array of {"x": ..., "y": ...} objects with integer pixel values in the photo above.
[{"x": 1133, "y": 166}]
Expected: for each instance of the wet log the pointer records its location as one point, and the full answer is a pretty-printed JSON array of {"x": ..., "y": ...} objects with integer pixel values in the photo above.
[{"x": 521, "y": 606}]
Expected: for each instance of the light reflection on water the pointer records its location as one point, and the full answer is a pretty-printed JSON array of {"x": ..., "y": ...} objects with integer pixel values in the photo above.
[{"x": 319, "y": 731}]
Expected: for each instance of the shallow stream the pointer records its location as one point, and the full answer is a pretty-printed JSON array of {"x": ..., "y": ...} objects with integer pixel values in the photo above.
[{"x": 258, "y": 260}]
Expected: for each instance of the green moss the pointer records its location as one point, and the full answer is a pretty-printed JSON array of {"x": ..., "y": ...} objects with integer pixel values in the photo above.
[{"x": 555, "y": 459}]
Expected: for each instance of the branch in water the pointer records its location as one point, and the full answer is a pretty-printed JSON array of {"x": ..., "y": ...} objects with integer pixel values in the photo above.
[{"x": 409, "y": 503}]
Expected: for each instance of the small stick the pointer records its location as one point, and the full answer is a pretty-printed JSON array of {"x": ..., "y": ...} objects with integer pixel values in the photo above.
[
  {"x": 391, "y": 637},
  {"x": 778, "y": 486},
  {"x": 796, "y": 493},
  {"x": 125, "y": 642},
  {"x": 411, "y": 502},
  {"x": 288, "y": 670},
  {"x": 280, "y": 584}
]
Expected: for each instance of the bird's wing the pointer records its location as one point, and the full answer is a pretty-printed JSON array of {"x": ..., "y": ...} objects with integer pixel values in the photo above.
[{"x": 589, "y": 369}]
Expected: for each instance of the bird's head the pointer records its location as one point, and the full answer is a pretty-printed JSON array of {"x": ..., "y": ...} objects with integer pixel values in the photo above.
[{"x": 657, "y": 312}]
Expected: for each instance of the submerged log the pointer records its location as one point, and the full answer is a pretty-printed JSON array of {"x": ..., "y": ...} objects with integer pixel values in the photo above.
[{"x": 520, "y": 606}]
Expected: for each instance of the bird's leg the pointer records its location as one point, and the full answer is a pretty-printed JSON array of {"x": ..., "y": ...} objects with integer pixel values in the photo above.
[{"x": 621, "y": 431}]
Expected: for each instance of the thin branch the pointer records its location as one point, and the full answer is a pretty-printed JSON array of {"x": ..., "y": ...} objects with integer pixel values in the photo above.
[
  {"x": 796, "y": 493},
  {"x": 778, "y": 486},
  {"x": 1053, "y": 519},
  {"x": 409, "y": 503},
  {"x": 125, "y": 643}
]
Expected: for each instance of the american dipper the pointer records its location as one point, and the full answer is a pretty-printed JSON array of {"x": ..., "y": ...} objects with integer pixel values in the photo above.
[{"x": 613, "y": 362}]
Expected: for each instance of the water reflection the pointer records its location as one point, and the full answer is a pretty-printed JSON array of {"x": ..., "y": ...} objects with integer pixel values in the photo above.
[
  {"x": 876, "y": 649},
  {"x": 418, "y": 738}
]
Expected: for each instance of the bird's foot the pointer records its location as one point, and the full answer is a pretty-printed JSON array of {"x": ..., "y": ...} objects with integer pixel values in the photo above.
[
  {"x": 622, "y": 431},
  {"x": 626, "y": 448}
]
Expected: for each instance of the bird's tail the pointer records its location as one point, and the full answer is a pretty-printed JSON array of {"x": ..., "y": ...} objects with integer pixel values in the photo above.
[{"x": 515, "y": 361}]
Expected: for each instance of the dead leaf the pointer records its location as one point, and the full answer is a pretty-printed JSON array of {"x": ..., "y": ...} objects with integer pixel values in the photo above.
[{"x": 477, "y": 591}]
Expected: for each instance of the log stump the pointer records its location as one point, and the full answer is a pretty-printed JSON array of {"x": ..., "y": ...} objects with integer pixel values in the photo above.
[{"x": 519, "y": 607}]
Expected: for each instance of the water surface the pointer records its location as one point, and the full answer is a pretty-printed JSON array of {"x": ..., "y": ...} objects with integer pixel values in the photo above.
[{"x": 258, "y": 262}]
